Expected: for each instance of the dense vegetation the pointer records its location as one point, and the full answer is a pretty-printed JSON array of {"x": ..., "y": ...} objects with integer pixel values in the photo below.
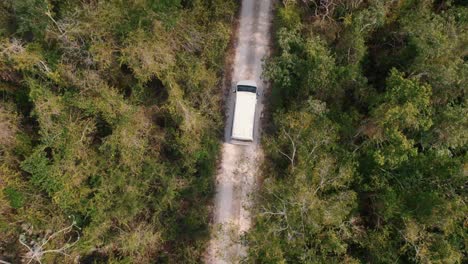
[
  {"x": 109, "y": 121},
  {"x": 366, "y": 155}
]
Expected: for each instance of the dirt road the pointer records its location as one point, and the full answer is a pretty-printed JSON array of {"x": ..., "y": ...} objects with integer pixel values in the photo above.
[{"x": 236, "y": 178}]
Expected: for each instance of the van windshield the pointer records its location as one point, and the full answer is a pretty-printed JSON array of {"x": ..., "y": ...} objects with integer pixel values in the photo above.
[{"x": 243, "y": 88}]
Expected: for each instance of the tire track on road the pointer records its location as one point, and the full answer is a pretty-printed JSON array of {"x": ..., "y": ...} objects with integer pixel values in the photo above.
[{"x": 236, "y": 178}]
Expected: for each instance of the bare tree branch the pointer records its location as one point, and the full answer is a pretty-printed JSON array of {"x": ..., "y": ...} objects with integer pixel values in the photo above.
[
  {"x": 49, "y": 15},
  {"x": 294, "y": 149},
  {"x": 36, "y": 250}
]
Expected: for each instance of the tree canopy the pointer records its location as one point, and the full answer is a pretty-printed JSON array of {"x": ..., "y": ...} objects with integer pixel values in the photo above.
[
  {"x": 109, "y": 121},
  {"x": 366, "y": 155}
]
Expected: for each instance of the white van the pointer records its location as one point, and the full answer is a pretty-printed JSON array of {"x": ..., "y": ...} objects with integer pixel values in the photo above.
[{"x": 244, "y": 111}]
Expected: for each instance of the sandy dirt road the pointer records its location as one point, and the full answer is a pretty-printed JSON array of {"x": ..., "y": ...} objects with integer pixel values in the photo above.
[{"x": 237, "y": 176}]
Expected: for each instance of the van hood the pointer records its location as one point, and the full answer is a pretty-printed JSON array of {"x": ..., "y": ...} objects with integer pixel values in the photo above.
[{"x": 247, "y": 83}]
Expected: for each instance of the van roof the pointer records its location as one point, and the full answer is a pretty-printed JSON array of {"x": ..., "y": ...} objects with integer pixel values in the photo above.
[{"x": 244, "y": 115}]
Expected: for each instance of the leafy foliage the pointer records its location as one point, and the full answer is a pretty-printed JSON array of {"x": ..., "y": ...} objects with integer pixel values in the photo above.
[
  {"x": 366, "y": 154},
  {"x": 110, "y": 116}
]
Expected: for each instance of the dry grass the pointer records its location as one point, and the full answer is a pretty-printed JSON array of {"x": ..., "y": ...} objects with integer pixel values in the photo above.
[{"x": 8, "y": 127}]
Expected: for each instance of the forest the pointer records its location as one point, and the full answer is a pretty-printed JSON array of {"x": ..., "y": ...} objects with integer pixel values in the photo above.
[
  {"x": 366, "y": 153},
  {"x": 110, "y": 116}
]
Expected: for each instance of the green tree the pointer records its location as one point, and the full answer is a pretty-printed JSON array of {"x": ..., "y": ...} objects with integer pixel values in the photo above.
[{"x": 304, "y": 212}]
